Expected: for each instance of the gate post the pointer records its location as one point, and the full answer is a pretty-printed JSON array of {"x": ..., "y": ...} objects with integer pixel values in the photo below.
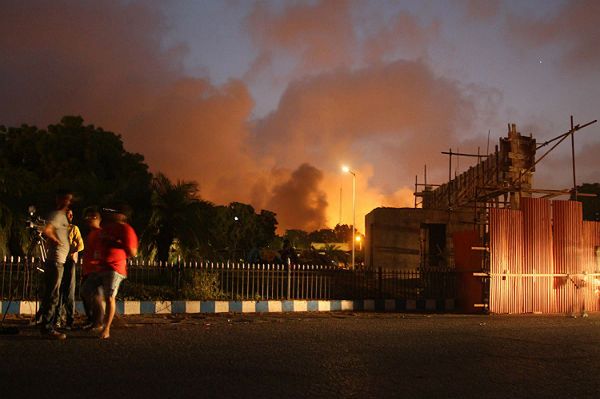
[
  {"x": 289, "y": 278},
  {"x": 379, "y": 282}
]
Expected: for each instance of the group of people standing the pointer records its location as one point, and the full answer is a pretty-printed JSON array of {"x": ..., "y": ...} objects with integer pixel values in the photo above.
[{"x": 104, "y": 266}]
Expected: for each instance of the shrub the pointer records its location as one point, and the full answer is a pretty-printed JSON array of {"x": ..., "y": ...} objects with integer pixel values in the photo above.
[{"x": 201, "y": 285}]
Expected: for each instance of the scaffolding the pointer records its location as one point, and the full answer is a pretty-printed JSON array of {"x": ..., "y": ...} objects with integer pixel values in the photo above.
[
  {"x": 499, "y": 179},
  {"x": 502, "y": 180}
]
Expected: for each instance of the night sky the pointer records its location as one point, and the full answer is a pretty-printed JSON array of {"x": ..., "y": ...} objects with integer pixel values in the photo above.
[{"x": 262, "y": 102}]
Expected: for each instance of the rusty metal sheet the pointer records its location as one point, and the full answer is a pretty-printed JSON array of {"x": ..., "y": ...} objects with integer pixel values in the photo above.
[
  {"x": 538, "y": 295},
  {"x": 506, "y": 256},
  {"x": 544, "y": 259},
  {"x": 567, "y": 246},
  {"x": 590, "y": 261}
]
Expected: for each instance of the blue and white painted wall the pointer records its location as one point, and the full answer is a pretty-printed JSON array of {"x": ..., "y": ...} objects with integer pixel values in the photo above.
[{"x": 179, "y": 307}]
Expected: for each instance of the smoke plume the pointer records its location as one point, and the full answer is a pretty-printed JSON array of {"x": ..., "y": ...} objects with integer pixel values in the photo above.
[{"x": 107, "y": 62}]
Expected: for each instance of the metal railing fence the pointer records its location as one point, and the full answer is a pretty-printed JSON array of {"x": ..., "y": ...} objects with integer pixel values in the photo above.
[{"x": 21, "y": 279}]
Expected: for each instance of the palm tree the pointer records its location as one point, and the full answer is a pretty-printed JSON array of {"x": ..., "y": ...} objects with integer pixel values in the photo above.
[
  {"x": 335, "y": 253},
  {"x": 178, "y": 221}
]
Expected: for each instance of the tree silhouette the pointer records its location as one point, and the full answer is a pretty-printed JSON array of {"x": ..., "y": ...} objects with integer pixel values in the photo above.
[
  {"x": 173, "y": 221},
  {"x": 91, "y": 162},
  {"x": 179, "y": 223},
  {"x": 239, "y": 230}
]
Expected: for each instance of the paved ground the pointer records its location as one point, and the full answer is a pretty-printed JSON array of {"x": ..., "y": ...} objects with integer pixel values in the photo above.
[{"x": 342, "y": 355}]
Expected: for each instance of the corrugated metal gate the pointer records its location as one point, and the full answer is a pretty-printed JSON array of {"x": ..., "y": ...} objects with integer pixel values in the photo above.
[{"x": 543, "y": 259}]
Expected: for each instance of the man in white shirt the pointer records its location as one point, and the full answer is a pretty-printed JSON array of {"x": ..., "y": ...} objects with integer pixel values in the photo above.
[{"x": 56, "y": 232}]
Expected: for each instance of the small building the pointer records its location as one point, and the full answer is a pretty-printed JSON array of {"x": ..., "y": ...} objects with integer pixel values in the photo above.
[{"x": 408, "y": 238}]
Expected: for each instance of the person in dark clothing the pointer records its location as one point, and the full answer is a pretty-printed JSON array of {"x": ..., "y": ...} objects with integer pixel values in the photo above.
[
  {"x": 288, "y": 253},
  {"x": 57, "y": 235}
]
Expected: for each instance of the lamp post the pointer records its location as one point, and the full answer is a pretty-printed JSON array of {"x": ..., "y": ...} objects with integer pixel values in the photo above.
[
  {"x": 346, "y": 169},
  {"x": 236, "y": 236}
]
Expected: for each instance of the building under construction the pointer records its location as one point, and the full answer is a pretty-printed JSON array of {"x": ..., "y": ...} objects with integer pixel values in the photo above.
[{"x": 517, "y": 250}]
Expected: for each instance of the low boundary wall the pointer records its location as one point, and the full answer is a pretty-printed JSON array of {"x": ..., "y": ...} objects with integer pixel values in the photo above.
[{"x": 179, "y": 307}]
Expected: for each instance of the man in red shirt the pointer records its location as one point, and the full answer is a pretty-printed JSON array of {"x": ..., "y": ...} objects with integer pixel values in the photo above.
[
  {"x": 92, "y": 256},
  {"x": 119, "y": 242}
]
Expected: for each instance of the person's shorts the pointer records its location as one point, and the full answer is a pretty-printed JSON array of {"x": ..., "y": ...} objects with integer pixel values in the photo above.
[
  {"x": 90, "y": 286},
  {"x": 109, "y": 281}
]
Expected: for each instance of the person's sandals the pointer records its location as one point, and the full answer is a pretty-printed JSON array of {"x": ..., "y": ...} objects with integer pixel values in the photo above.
[
  {"x": 93, "y": 328},
  {"x": 53, "y": 334}
]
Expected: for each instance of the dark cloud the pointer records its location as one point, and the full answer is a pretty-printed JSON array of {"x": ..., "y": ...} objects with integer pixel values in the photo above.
[
  {"x": 573, "y": 28},
  {"x": 399, "y": 113},
  {"x": 79, "y": 57},
  {"x": 103, "y": 60},
  {"x": 320, "y": 34},
  {"x": 324, "y": 35},
  {"x": 555, "y": 171},
  {"x": 107, "y": 62},
  {"x": 300, "y": 200},
  {"x": 587, "y": 161},
  {"x": 403, "y": 33},
  {"x": 482, "y": 10}
]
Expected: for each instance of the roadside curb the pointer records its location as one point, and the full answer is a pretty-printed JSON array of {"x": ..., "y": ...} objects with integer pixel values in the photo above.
[{"x": 272, "y": 306}]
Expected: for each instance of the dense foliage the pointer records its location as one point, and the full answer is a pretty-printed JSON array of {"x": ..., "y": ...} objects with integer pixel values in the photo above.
[
  {"x": 172, "y": 220},
  {"x": 91, "y": 162}
]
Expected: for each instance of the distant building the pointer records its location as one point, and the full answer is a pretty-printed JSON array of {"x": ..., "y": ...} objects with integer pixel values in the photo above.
[
  {"x": 407, "y": 238},
  {"x": 342, "y": 246}
]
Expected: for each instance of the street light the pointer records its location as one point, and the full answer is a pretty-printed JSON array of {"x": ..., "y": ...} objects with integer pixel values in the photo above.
[
  {"x": 346, "y": 169},
  {"x": 236, "y": 236}
]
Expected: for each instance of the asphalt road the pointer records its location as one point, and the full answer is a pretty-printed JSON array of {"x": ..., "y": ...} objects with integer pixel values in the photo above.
[{"x": 341, "y": 355}]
